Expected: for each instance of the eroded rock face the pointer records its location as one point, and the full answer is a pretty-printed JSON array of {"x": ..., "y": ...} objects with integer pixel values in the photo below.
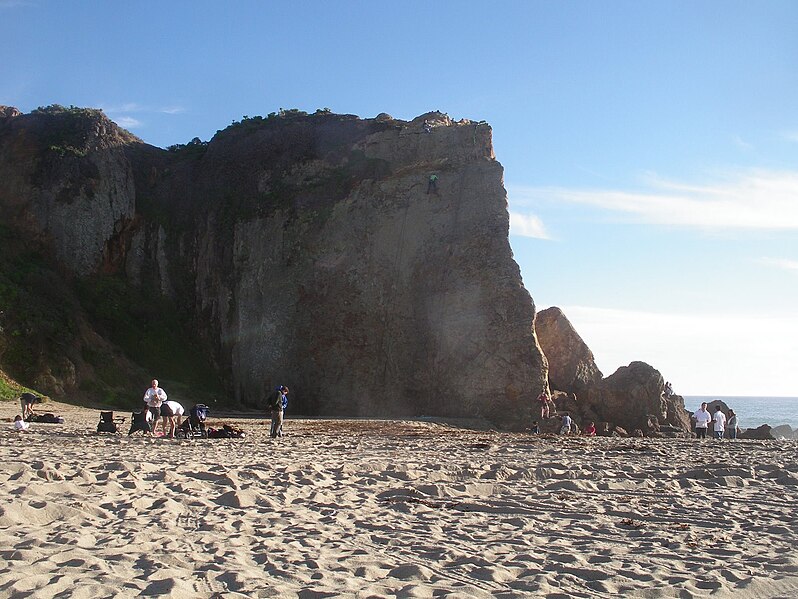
[
  {"x": 572, "y": 367},
  {"x": 67, "y": 180},
  {"x": 632, "y": 395},
  {"x": 395, "y": 297},
  {"x": 363, "y": 263}
]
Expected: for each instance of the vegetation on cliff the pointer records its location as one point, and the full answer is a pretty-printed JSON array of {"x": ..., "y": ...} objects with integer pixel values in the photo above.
[{"x": 101, "y": 333}]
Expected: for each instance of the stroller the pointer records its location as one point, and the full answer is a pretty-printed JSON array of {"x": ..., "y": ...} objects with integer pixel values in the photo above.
[
  {"x": 140, "y": 421},
  {"x": 194, "y": 425},
  {"x": 109, "y": 424}
]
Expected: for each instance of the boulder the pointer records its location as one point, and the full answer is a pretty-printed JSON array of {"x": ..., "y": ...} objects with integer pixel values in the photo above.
[
  {"x": 632, "y": 398},
  {"x": 783, "y": 430},
  {"x": 572, "y": 367},
  {"x": 717, "y": 403},
  {"x": 762, "y": 433},
  {"x": 677, "y": 416}
]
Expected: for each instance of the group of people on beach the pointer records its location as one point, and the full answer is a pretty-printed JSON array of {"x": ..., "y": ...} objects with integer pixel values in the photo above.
[
  {"x": 721, "y": 425},
  {"x": 171, "y": 412},
  {"x": 567, "y": 424},
  {"x": 159, "y": 408}
]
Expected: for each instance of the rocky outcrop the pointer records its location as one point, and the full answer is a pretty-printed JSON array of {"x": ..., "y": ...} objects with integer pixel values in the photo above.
[
  {"x": 67, "y": 181},
  {"x": 572, "y": 367},
  {"x": 782, "y": 431},
  {"x": 761, "y": 433},
  {"x": 632, "y": 398},
  {"x": 8, "y": 112},
  {"x": 364, "y": 263}
]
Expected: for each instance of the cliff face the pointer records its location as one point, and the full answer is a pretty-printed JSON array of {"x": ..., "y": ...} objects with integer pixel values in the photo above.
[{"x": 307, "y": 250}]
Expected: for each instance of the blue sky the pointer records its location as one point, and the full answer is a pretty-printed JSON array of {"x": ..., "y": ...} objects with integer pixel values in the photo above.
[{"x": 649, "y": 147}]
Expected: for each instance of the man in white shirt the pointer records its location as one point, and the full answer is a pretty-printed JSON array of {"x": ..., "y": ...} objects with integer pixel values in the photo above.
[
  {"x": 702, "y": 420},
  {"x": 154, "y": 397},
  {"x": 719, "y": 423}
]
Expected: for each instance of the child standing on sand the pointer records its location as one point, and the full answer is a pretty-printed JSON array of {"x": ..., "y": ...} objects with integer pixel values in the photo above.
[{"x": 565, "y": 429}]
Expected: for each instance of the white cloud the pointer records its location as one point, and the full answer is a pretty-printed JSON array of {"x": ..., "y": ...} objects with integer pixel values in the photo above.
[
  {"x": 782, "y": 263},
  {"x": 127, "y": 107},
  {"x": 740, "y": 354},
  {"x": 753, "y": 200},
  {"x": 527, "y": 225},
  {"x": 135, "y": 107},
  {"x": 790, "y": 135},
  {"x": 127, "y": 122}
]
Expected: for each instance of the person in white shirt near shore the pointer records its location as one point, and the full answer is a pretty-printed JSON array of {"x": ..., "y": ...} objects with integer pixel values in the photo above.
[
  {"x": 702, "y": 420},
  {"x": 719, "y": 422}
]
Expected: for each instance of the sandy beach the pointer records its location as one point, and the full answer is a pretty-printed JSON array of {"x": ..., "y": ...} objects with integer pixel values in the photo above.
[{"x": 350, "y": 508}]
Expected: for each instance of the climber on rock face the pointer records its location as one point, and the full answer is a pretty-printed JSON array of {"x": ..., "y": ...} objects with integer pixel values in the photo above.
[{"x": 432, "y": 184}]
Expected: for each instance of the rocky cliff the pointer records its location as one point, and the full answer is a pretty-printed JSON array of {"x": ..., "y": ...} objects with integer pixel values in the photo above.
[
  {"x": 632, "y": 399},
  {"x": 364, "y": 263},
  {"x": 572, "y": 367}
]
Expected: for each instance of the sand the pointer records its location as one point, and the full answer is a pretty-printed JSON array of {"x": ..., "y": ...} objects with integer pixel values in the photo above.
[{"x": 347, "y": 508}]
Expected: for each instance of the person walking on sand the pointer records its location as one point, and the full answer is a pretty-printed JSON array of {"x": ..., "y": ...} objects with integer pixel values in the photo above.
[
  {"x": 731, "y": 425},
  {"x": 277, "y": 401},
  {"x": 719, "y": 422},
  {"x": 154, "y": 397},
  {"x": 702, "y": 420}
]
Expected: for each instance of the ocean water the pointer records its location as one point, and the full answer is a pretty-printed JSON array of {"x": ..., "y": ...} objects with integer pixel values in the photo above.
[{"x": 753, "y": 411}]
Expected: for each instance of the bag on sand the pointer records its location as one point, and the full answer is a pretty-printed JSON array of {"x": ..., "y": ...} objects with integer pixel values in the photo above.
[
  {"x": 226, "y": 432},
  {"x": 48, "y": 418}
]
